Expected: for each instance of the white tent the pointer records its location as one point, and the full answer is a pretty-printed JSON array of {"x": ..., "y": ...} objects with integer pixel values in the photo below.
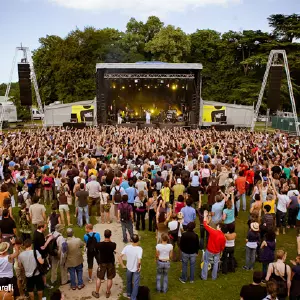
[
  {"x": 57, "y": 114},
  {"x": 237, "y": 115}
]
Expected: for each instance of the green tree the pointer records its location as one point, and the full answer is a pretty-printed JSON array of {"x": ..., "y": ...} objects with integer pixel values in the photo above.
[{"x": 170, "y": 44}]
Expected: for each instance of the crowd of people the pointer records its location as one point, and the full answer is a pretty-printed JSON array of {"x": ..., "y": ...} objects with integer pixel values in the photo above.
[{"x": 128, "y": 176}]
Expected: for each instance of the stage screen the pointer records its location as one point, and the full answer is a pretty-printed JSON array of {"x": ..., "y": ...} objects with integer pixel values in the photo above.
[
  {"x": 84, "y": 113},
  {"x": 213, "y": 113}
]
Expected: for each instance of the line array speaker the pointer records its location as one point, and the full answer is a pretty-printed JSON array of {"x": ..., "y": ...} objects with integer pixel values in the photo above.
[
  {"x": 25, "y": 84},
  {"x": 276, "y": 73}
]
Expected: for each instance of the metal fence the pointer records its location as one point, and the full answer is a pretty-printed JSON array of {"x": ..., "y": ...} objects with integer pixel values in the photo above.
[{"x": 284, "y": 124}]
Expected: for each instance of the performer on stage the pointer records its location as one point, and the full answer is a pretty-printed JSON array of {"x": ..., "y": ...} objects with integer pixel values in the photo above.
[
  {"x": 148, "y": 117},
  {"x": 119, "y": 117}
]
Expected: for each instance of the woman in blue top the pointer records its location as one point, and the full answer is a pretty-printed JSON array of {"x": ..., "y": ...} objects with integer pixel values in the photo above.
[{"x": 229, "y": 215}]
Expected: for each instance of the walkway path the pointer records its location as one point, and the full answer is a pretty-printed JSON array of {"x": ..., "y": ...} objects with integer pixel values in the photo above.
[{"x": 86, "y": 292}]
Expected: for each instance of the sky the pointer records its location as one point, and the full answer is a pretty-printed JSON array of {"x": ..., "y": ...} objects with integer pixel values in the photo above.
[{"x": 25, "y": 21}]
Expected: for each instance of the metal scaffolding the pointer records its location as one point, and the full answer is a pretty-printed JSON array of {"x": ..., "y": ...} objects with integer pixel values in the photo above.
[
  {"x": 26, "y": 58},
  {"x": 273, "y": 61}
]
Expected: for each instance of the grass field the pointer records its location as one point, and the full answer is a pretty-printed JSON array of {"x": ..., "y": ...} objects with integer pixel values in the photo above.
[{"x": 226, "y": 287}]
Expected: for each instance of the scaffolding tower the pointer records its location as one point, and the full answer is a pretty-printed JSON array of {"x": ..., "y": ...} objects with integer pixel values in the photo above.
[
  {"x": 26, "y": 58},
  {"x": 272, "y": 61}
]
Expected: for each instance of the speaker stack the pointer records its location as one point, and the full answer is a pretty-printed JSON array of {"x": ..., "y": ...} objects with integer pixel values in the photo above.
[
  {"x": 276, "y": 73},
  {"x": 25, "y": 84}
]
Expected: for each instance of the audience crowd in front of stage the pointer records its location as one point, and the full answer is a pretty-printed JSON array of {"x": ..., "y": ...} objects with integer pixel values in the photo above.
[{"x": 158, "y": 178}]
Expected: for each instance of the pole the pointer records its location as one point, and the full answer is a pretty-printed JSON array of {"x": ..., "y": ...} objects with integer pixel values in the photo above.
[{"x": 267, "y": 120}]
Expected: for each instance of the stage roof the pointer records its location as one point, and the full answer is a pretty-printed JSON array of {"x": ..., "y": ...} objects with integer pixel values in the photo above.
[{"x": 150, "y": 66}]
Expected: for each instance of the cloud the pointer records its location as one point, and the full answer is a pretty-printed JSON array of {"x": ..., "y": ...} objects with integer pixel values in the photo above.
[{"x": 141, "y": 7}]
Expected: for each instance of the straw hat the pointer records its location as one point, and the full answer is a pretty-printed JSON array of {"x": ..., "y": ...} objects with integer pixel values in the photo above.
[
  {"x": 254, "y": 226},
  {"x": 180, "y": 215},
  {"x": 4, "y": 247}
]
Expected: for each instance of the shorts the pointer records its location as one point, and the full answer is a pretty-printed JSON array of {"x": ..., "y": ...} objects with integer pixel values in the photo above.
[
  {"x": 35, "y": 282},
  {"x": 90, "y": 259},
  {"x": 63, "y": 207},
  {"x": 104, "y": 208},
  {"x": 109, "y": 269}
]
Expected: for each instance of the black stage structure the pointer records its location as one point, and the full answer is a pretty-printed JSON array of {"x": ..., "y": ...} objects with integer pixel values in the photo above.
[{"x": 151, "y": 86}]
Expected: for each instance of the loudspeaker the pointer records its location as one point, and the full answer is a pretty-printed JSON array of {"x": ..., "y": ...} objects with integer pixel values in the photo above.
[
  {"x": 25, "y": 84},
  {"x": 276, "y": 73}
]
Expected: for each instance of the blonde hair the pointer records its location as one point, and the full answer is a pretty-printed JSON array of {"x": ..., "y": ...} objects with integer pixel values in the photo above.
[{"x": 280, "y": 254}]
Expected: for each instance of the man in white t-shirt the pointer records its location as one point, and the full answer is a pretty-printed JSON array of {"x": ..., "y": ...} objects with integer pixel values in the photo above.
[{"x": 133, "y": 255}]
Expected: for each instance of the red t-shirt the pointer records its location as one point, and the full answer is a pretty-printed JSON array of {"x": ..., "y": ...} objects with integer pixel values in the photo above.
[
  {"x": 240, "y": 184},
  {"x": 250, "y": 176},
  {"x": 216, "y": 241},
  {"x": 178, "y": 207}
]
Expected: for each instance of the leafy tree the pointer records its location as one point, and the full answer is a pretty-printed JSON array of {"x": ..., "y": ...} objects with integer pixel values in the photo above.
[
  {"x": 170, "y": 44},
  {"x": 286, "y": 28}
]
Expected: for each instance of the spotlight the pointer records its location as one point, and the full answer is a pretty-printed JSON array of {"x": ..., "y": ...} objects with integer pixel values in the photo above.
[
  {"x": 161, "y": 81},
  {"x": 152, "y": 111},
  {"x": 148, "y": 86},
  {"x": 114, "y": 86},
  {"x": 136, "y": 80},
  {"x": 174, "y": 87},
  {"x": 123, "y": 87},
  {"x": 136, "y": 114}
]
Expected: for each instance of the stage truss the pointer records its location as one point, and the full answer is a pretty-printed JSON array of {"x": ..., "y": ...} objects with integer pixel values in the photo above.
[{"x": 147, "y": 76}]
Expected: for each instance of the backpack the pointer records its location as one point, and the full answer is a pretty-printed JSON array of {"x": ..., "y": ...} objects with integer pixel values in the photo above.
[
  {"x": 52, "y": 247},
  {"x": 64, "y": 247},
  {"x": 117, "y": 196},
  {"x": 173, "y": 234},
  {"x": 91, "y": 243},
  {"x": 124, "y": 212},
  {"x": 20, "y": 198},
  {"x": 143, "y": 293}
]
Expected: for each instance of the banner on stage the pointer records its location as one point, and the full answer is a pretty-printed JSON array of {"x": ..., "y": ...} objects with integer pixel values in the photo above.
[
  {"x": 213, "y": 113},
  {"x": 83, "y": 113}
]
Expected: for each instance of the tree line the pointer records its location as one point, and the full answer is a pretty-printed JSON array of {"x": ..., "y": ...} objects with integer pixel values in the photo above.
[{"x": 233, "y": 62}]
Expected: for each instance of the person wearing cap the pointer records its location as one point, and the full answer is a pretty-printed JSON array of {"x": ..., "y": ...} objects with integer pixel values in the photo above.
[
  {"x": 94, "y": 189},
  {"x": 252, "y": 241},
  {"x": 178, "y": 189},
  {"x": 6, "y": 267},
  {"x": 74, "y": 260}
]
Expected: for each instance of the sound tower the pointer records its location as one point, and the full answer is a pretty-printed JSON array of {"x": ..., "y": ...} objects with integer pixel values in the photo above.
[
  {"x": 276, "y": 73},
  {"x": 25, "y": 84}
]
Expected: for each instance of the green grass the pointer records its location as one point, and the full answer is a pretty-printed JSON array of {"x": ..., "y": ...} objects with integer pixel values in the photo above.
[{"x": 226, "y": 287}]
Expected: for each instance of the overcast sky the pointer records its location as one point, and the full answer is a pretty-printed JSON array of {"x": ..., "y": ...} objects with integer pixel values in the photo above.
[{"x": 27, "y": 20}]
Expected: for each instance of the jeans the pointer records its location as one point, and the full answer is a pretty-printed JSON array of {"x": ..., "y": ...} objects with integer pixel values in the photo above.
[
  {"x": 48, "y": 196},
  {"x": 238, "y": 205},
  {"x": 127, "y": 225},
  {"x": 133, "y": 282},
  {"x": 152, "y": 220},
  {"x": 265, "y": 268},
  {"x": 81, "y": 211},
  {"x": 250, "y": 257},
  {"x": 185, "y": 260},
  {"x": 140, "y": 217},
  {"x": 203, "y": 233},
  {"x": 73, "y": 271},
  {"x": 228, "y": 261},
  {"x": 214, "y": 258},
  {"x": 162, "y": 273},
  {"x": 244, "y": 201}
]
